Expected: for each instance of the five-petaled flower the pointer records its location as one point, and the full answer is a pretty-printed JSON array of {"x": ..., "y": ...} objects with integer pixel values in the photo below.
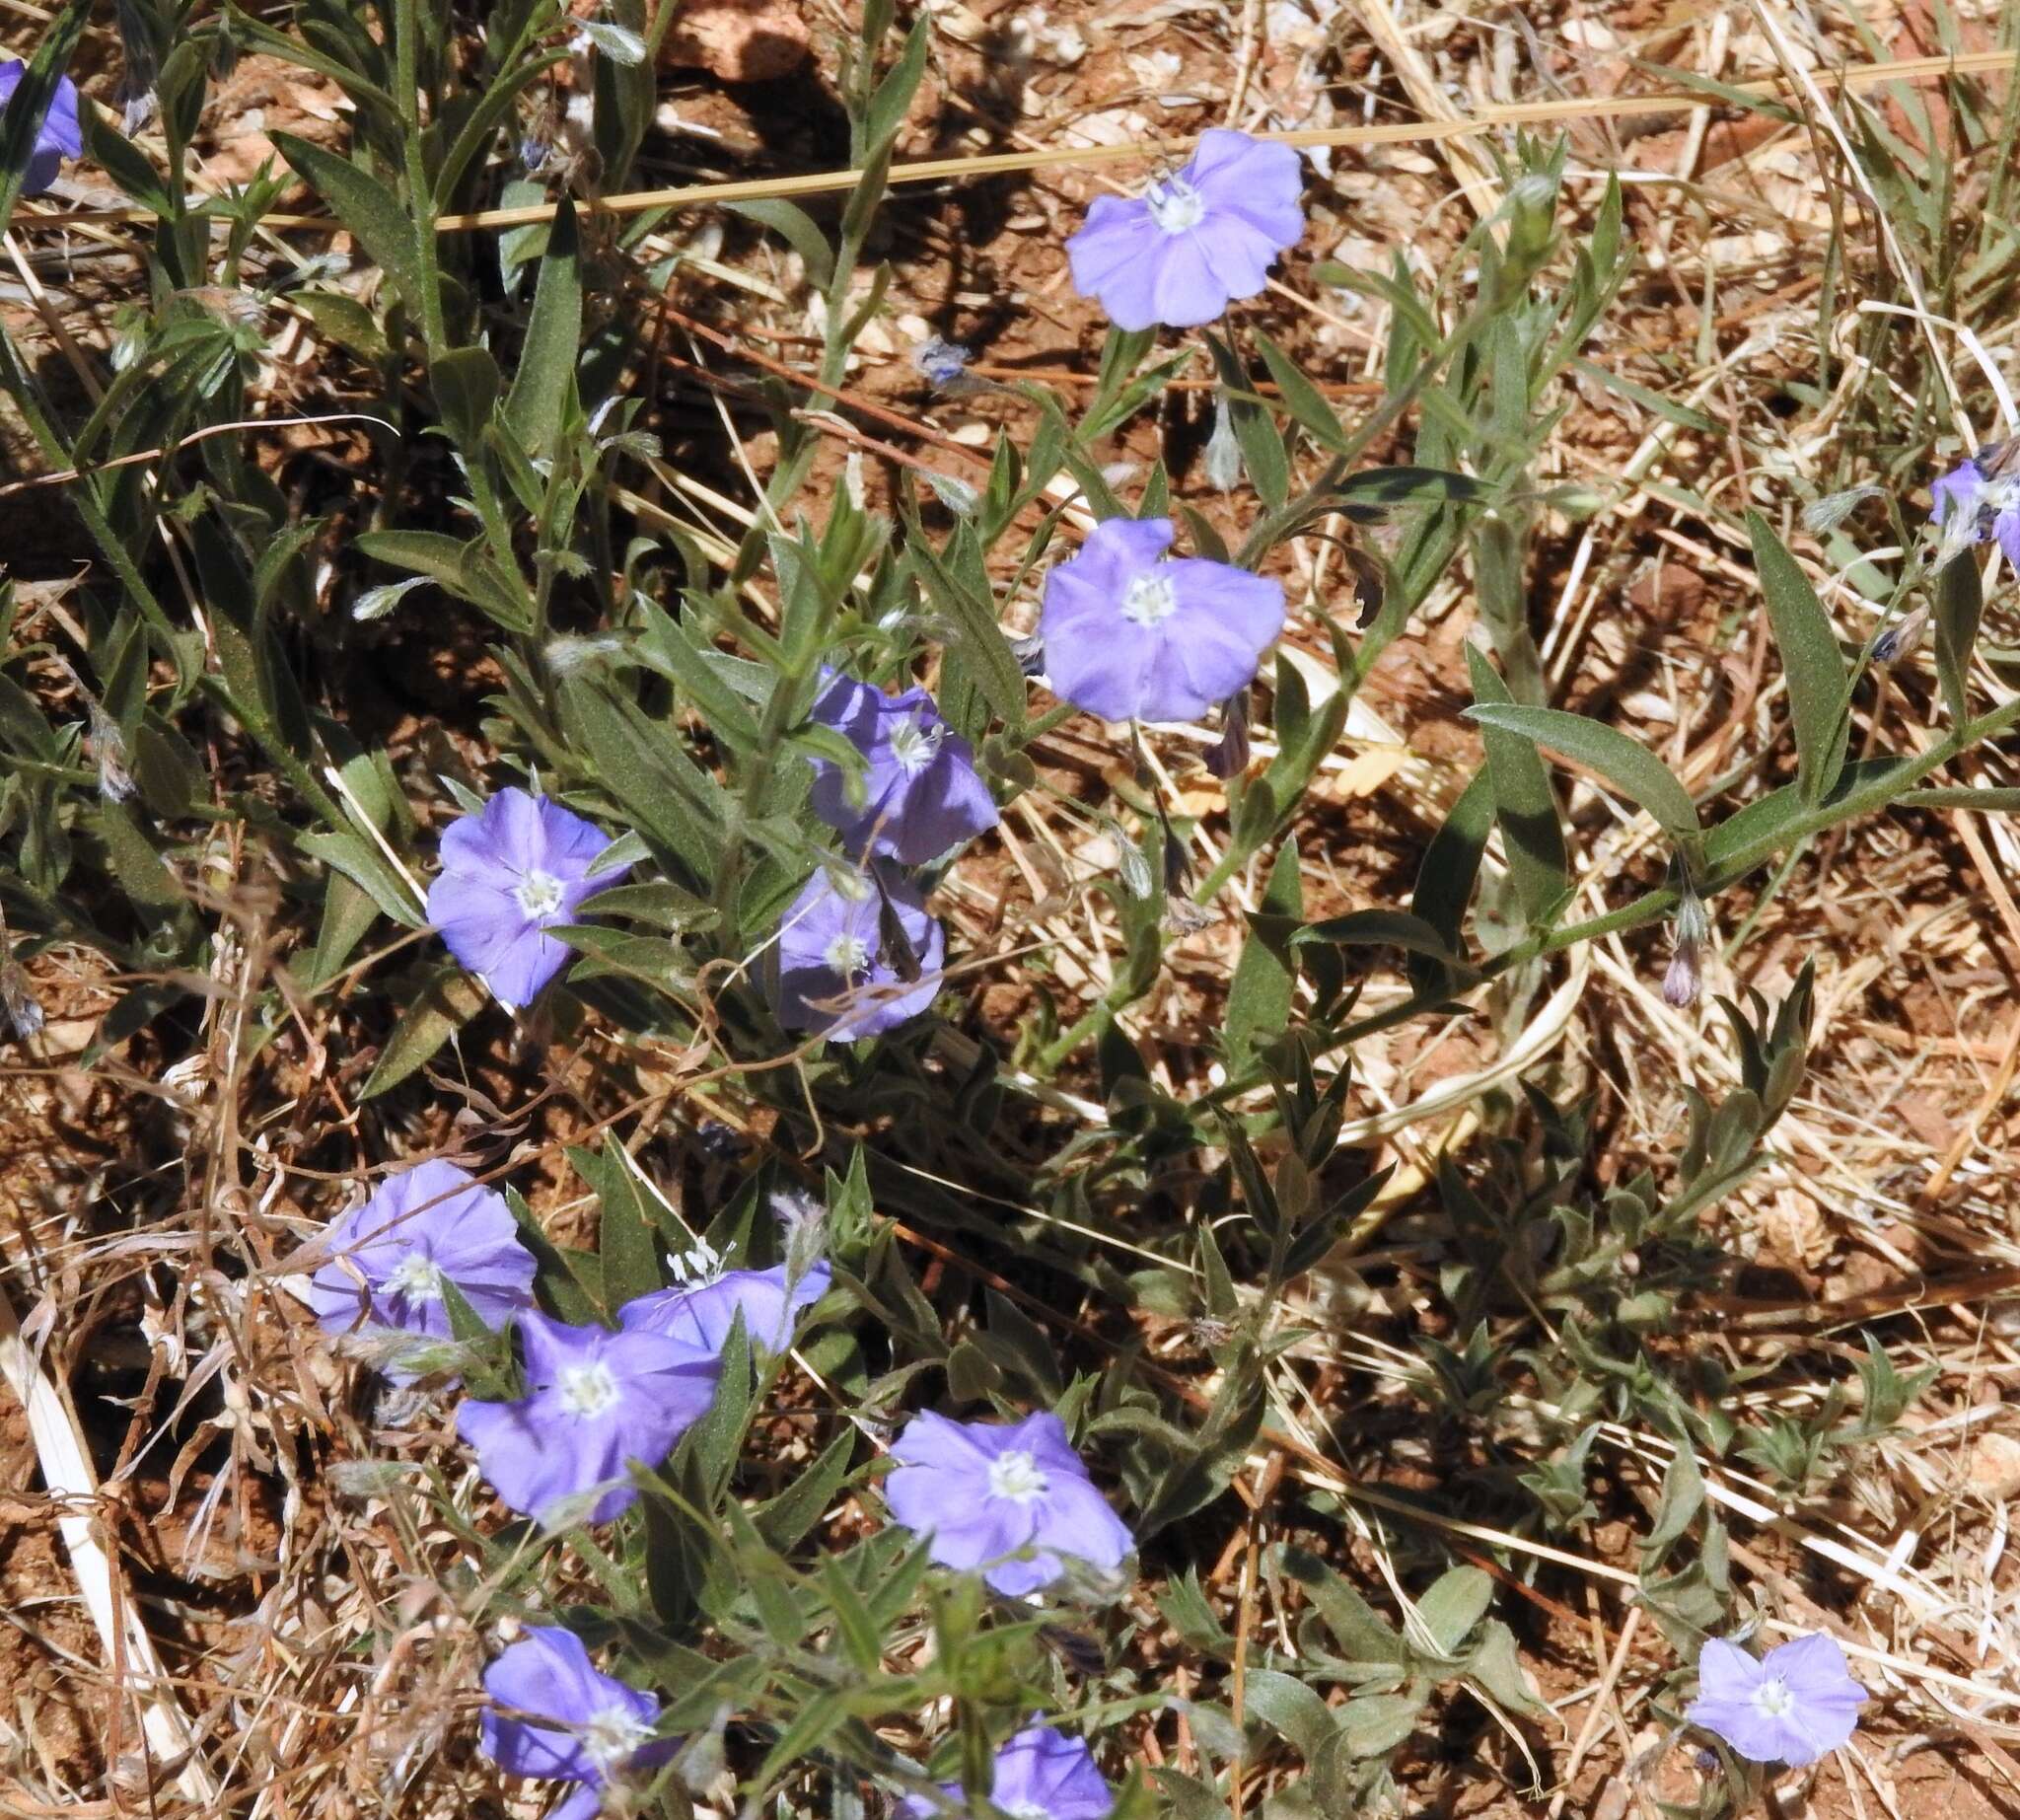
[
  {"x": 921, "y": 792},
  {"x": 1009, "y": 1497},
  {"x": 508, "y": 875},
  {"x": 857, "y": 954},
  {"x": 388, "y": 1258},
  {"x": 704, "y": 1312},
  {"x": 567, "y": 1721},
  {"x": 1040, "y": 1775},
  {"x": 1792, "y": 1706},
  {"x": 61, "y": 135},
  {"x": 595, "y": 1400},
  {"x": 1980, "y": 498},
  {"x": 1131, "y": 634},
  {"x": 1195, "y": 240}
]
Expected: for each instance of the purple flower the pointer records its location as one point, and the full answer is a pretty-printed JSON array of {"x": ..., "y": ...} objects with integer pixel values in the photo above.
[
  {"x": 389, "y": 1259},
  {"x": 59, "y": 137},
  {"x": 1130, "y": 634},
  {"x": 841, "y": 969},
  {"x": 1178, "y": 252},
  {"x": 1792, "y": 1706},
  {"x": 598, "y": 1730},
  {"x": 1040, "y": 1775},
  {"x": 703, "y": 1311},
  {"x": 921, "y": 793},
  {"x": 594, "y": 1401},
  {"x": 1979, "y": 498},
  {"x": 983, "y": 1492},
  {"x": 508, "y": 875}
]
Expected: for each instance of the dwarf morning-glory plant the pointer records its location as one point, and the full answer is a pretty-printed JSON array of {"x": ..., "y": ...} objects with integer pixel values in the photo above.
[
  {"x": 921, "y": 793},
  {"x": 1012, "y": 1498},
  {"x": 595, "y": 1400},
  {"x": 509, "y": 874},
  {"x": 389, "y": 1259},
  {"x": 59, "y": 137},
  {"x": 1038, "y": 1775},
  {"x": 564, "y": 1721},
  {"x": 1133, "y": 635},
  {"x": 1195, "y": 240},
  {"x": 1793, "y": 1705},
  {"x": 857, "y": 954}
]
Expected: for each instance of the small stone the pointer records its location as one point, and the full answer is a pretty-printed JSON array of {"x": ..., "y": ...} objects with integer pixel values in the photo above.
[{"x": 1992, "y": 1466}]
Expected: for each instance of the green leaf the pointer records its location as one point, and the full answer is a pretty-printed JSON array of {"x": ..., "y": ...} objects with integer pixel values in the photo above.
[
  {"x": 1810, "y": 658},
  {"x": 793, "y": 225},
  {"x": 1287, "y": 1704},
  {"x": 1378, "y": 928},
  {"x": 1525, "y": 805},
  {"x": 1259, "y": 1000},
  {"x": 1683, "y": 1497},
  {"x": 446, "y": 1003},
  {"x": 1263, "y": 451},
  {"x": 466, "y": 383},
  {"x": 626, "y": 1238},
  {"x": 1371, "y": 1723},
  {"x": 366, "y": 867},
  {"x": 975, "y": 632},
  {"x": 1631, "y": 769},
  {"x": 893, "y": 100},
  {"x": 1960, "y": 603},
  {"x": 1452, "y": 1604},
  {"x": 541, "y": 387},
  {"x": 1446, "y": 875},
  {"x": 1303, "y": 400},
  {"x": 375, "y": 216},
  {"x": 124, "y": 162},
  {"x": 794, "y": 1511}
]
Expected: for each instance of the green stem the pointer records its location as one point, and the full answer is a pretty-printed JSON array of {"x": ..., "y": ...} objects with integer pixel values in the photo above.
[{"x": 420, "y": 199}]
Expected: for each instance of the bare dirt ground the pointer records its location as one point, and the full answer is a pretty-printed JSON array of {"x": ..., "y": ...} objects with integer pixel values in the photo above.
[{"x": 149, "y": 1192}]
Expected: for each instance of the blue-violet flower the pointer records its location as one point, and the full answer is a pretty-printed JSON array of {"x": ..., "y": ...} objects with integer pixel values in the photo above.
[
  {"x": 508, "y": 875},
  {"x": 61, "y": 135},
  {"x": 598, "y": 1730},
  {"x": 1792, "y": 1706},
  {"x": 388, "y": 1258},
  {"x": 594, "y": 1401},
  {"x": 703, "y": 1308},
  {"x": 921, "y": 792},
  {"x": 1009, "y": 1497},
  {"x": 1038, "y": 1775},
  {"x": 1131, "y": 634},
  {"x": 1980, "y": 498},
  {"x": 842, "y": 970},
  {"x": 1189, "y": 242}
]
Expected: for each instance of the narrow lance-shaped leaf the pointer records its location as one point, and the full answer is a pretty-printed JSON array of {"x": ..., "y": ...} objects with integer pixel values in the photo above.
[
  {"x": 553, "y": 336},
  {"x": 1525, "y": 805},
  {"x": 1810, "y": 658},
  {"x": 1630, "y": 768},
  {"x": 1959, "y": 602}
]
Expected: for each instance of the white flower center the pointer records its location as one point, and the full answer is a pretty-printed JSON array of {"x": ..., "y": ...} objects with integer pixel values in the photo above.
[
  {"x": 1149, "y": 600},
  {"x": 611, "y": 1735},
  {"x": 1027, "y": 1810},
  {"x": 913, "y": 747},
  {"x": 1016, "y": 1475},
  {"x": 699, "y": 1264},
  {"x": 539, "y": 893},
  {"x": 1174, "y": 205},
  {"x": 1772, "y": 1699},
  {"x": 418, "y": 1277},
  {"x": 587, "y": 1390},
  {"x": 847, "y": 952}
]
